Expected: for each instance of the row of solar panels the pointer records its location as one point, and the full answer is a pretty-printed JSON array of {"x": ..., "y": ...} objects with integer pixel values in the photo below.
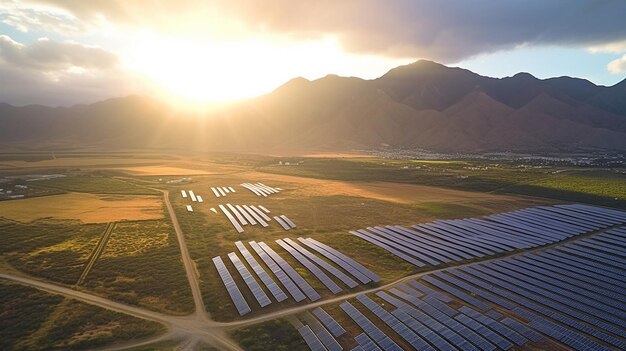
[
  {"x": 446, "y": 241},
  {"x": 573, "y": 293},
  {"x": 222, "y": 190},
  {"x": 260, "y": 189},
  {"x": 294, "y": 283},
  {"x": 324, "y": 330},
  {"x": 192, "y": 196},
  {"x": 421, "y": 323},
  {"x": 242, "y": 215}
]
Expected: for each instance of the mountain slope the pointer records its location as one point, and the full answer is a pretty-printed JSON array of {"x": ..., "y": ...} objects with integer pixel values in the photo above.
[{"x": 424, "y": 104}]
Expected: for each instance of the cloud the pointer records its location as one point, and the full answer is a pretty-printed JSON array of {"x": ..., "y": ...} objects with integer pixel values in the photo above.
[
  {"x": 42, "y": 19},
  {"x": 617, "y": 66},
  {"x": 48, "y": 55},
  {"x": 59, "y": 73},
  {"x": 447, "y": 31}
]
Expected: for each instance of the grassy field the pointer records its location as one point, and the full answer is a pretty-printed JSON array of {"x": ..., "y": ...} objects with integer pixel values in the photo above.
[
  {"x": 97, "y": 185},
  {"x": 276, "y": 335},
  {"x": 33, "y": 320},
  {"x": 23, "y": 311},
  {"x": 52, "y": 249},
  {"x": 141, "y": 265},
  {"x": 599, "y": 186}
]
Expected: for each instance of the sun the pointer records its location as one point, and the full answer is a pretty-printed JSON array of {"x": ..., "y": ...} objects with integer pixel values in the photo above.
[{"x": 195, "y": 70}]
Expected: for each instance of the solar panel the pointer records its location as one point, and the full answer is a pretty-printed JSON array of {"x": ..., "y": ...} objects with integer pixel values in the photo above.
[
  {"x": 183, "y": 193},
  {"x": 487, "y": 333},
  {"x": 366, "y": 343},
  {"x": 431, "y": 300},
  {"x": 537, "y": 294},
  {"x": 253, "y": 285},
  {"x": 329, "y": 283},
  {"x": 232, "y": 219},
  {"x": 264, "y": 209},
  {"x": 423, "y": 331},
  {"x": 199, "y": 198},
  {"x": 331, "y": 269},
  {"x": 514, "y": 294},
  {"x": 260, "y": 213},
  {"x": 280, "y": 274},
  {"x": 215, "y": 192},
  {"x": 391, "y": 248},
  {"x": 428, "y": 243},
  {"x": 311, "y": 340},
  {"x": 456, "y": 292},
  {"x": 390, "y": 320},
  {"x": 297, "y": 278},
  {"x": 288, "y": 221},
  {"x": 221, "y": 191},
  {"x": 246, "y": 215},
  {"x": 240, "y": 218},
  {"x": 192, "y": 196},
  {"x": 568, "y": 298},
  {"x": 453, "y": 234},
  {"x": 494, "y": 325},
  {"x": 370, "y": 329},
  {"x": 449, "y": 332},
  {"x": 189, "y": 208},
  {"x": 226, "y": 190},
  {"x": 414, "y": 247},
  {"x": 357, "y": 274},
  {"x": 256, "y": 216},
  {"x": 231, "y": 287},
  {"x": 434, "y": 241},
  {"x": 329, "y": 322},
  {"x": 344, "y": 258},
  {"x": 282, "y": 223},
  {"x": 322, "y": 334},
  {"x": 421, "y": 287},
  {"x": 522, "y": 329},
  {"x": 265, "y": 278}
]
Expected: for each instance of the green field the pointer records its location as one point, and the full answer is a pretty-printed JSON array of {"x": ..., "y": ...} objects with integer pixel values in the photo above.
[
  {"x": 585, "y": 184},
  {"x": 55, "y": 250},
  {"x": 97, "y": 184},
  {"x": 33, "y": 320},
  {"x": 276, "y": 335},
  {"x": 141, "y": 265}
]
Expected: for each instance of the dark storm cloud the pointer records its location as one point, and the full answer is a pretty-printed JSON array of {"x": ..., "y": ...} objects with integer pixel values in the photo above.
[{"x": 446, "y": 31}]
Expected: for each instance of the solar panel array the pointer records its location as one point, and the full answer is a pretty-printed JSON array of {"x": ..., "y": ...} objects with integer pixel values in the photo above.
[
  {"x": 327, "y": 339},
  {"x": 572, "y": 293},
  {"x": 260, "y": 189},
  {"x": 233, "y": 290},
  {"x": 350, "y": 265},
  {"x": 446, "y": 241},
  {"x": 243, "y": 215},
  {"x": 221, "y": 191},
  {"x": 286, "y": 274}
]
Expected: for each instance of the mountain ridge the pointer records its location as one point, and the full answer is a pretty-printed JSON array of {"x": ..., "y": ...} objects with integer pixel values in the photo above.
[{"x": 423, "y": 104}]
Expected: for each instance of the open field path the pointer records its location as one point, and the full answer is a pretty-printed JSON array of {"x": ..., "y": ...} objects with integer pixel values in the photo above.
[
  {"x": 96, "y": 252},
  {"x": 190, "y": 269}
]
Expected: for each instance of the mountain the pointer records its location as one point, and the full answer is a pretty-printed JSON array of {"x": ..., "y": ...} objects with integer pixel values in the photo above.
[{"x": 420, "y": 105}]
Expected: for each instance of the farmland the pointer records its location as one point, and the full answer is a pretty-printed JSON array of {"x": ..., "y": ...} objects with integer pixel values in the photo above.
[{"x": 112, "y": 213}]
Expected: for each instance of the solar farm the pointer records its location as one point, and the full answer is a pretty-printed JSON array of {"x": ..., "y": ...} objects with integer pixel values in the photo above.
[
  {"x": 523, "y": 278},
  {"x": 255, "y": 261}
]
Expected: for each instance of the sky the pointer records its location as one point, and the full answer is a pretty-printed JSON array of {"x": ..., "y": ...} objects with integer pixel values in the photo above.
[{"x": 65, "y": 52}]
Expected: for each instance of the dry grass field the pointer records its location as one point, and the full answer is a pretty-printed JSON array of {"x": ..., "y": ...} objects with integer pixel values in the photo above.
[{"x": 87, "y": 208}]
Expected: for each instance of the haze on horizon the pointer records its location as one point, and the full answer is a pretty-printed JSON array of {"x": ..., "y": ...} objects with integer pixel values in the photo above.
[{"x": 68, "y": 52}]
